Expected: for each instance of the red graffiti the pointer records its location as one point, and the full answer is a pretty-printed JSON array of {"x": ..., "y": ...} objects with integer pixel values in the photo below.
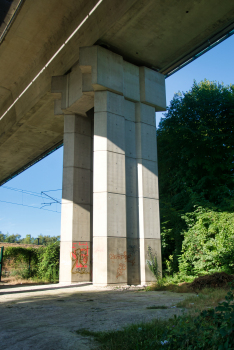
[
  {"x": 121, "y": 269},
  {"x": 130, "y": 258},
  {"x": 80, "y": 257}
]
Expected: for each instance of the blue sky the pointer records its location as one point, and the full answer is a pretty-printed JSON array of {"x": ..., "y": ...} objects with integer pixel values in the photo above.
[{"x": 215, "y": 65}]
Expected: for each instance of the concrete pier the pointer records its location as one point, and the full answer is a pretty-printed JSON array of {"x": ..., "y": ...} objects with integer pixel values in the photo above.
[
  {"x": 109, "y": 190},
  {"x": 109, "y": 138},
  {"x": 76, "y": 228}
]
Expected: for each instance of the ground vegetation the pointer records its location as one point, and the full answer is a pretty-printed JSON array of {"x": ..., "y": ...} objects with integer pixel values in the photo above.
[
  {"x": 196, "y": 183},
  {"x": 39, "y": 263}
]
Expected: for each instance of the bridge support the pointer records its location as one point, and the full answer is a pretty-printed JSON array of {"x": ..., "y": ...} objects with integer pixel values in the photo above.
[
  {"x": 76, "y": 230},
  {"x": 110, "y": 211}
]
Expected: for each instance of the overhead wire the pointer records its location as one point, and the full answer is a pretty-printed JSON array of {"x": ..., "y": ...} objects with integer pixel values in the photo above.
[
  {"x": 31, "y": 193},
  {"x": 30, "y": 206},
  {"x": 41, "y": 195}
]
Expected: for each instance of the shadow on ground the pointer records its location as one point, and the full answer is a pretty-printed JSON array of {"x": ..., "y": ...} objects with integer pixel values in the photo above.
[{"x": 47, "y": 317}]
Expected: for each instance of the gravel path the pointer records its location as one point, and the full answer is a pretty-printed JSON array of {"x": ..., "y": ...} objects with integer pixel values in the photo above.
[{"x": 46, "y": 317}]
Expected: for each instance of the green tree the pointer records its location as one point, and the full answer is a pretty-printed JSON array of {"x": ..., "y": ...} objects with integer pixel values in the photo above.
[
  {"x": 28, "y": 240},
  {"x": 14, "y": 238},
  {"x": 195, "y": 155},
  {"x": 2, "y": 237},
  {"x": 46, "y": 240}
]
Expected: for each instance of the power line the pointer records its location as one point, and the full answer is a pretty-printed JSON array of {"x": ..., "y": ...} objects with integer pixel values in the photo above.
[
  {"x": 30, "y": 206},
  {"x": 30, "y": 193},
  {"x": 42, "y": 195},
  {"x": 35, "y": 194}
]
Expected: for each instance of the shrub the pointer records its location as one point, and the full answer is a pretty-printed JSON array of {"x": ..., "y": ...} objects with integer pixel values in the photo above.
[
  {"x": 42, "y": 263},
  {"x": 208, "y": 244},
  {"x": 23, "y": 260},
  {"x": 48, "y": 266}
]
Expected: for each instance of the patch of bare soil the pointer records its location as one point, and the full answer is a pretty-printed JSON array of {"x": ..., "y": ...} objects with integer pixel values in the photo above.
[
  {"x": 5, "y": 245},
  {"x": 218, "y": 279},
  {"x": 14, "y": 281}
]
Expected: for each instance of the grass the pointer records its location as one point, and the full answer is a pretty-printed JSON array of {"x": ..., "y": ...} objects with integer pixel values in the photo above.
[
  {"x": 155, "y": 335},
  {"x": 14, "y": 280},
  {"x": 160, "y": 307},
  {"x": 176, "y": 288},
  {"x": 174, "y": 283},
  {"x": 207, "y": 298},
  {"x": 191, "y": 331},
  {"x": 133, "y": 337}
]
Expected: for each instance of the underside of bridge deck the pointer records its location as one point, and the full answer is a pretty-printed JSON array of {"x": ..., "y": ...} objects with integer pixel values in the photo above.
[{"x": 160, "y": 35}]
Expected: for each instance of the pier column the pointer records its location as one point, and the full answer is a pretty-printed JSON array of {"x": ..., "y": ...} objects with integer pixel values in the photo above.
[
  {"x": 109, "y": 195},
  {"x": 110, "y": 182},
  {"x": 75, "y": 246},
  {"x": 148, "y": 198}
]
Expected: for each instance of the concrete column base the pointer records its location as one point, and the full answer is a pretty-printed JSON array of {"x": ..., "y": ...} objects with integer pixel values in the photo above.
[
  {"x": 109, "y": 260},
  {"x": 133, "y": 261},
  {"x": 75, "y": 262}
]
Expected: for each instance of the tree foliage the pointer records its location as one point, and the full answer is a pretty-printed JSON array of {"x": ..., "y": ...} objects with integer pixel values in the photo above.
[
  {"x": 195, "y": 155},
  {"x": 208, "y": 244},
  {"x": 196, "y": 143},
  {"x": 16, "y": 238}
]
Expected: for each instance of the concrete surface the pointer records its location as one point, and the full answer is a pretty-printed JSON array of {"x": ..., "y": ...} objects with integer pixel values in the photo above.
[
  {"x": 153, "y": 33},
  {"x": 46, "y": 317},
  {"x": 124, "y": 197},
  {"x": 77, "y": 200}
]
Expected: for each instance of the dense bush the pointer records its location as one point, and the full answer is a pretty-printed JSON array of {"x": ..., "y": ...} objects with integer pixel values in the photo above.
[
  {"x": 208, "y": 244},
  {"x": 23, "y": 261},
  {"x": 40, "y": 263},
  {"x": 48, "y": 266}
]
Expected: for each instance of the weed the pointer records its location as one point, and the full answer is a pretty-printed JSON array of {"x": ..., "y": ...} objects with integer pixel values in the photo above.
[
  {"x": 157, "y": 307},
  {"x": 134, "y": 337},
  {"x": 153, "y": 266},
  {"x": 206, "y": 298}
]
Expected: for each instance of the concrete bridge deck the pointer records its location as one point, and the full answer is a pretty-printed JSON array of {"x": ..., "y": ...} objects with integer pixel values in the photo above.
[{"x": 160, "y": 35}]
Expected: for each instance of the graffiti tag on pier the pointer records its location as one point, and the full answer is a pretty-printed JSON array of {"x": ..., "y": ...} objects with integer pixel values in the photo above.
[
  {"x": 120, "y": 270},
  {"x": 80, "y": 256},
  {"x": 128, "y": 258}
]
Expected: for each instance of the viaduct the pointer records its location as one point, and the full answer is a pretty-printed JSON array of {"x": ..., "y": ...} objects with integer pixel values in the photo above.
[{"x": 90, "y": 75}]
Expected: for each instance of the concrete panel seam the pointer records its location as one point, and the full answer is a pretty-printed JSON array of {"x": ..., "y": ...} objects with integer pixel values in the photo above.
[
  {"x": 122, "y": 154},
  {"x": 122, "y": 194},
  {"x": 77, "y": 167},
  {"x": 147, "y": 197},
  {"x": 119, "y": 115},
  {"x": 149, "y": 160}
]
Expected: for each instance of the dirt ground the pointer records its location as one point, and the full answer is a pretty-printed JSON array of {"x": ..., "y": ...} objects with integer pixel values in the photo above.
[{"x": 46, "y": 317}]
